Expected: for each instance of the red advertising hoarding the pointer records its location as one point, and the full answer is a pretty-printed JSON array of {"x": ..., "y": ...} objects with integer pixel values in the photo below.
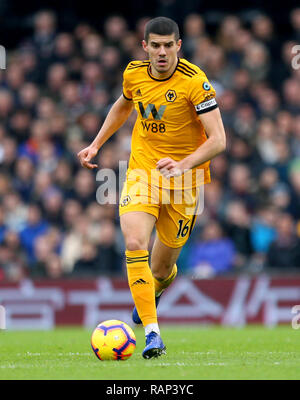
[{"x": 234, "y": 302}]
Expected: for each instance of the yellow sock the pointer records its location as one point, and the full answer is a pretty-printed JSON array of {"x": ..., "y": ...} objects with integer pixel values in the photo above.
[
  {"x": 141, "y": 285},
  {"x": 162, "y": 284}
]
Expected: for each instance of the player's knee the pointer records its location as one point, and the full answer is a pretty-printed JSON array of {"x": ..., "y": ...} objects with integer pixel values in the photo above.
[
  {"x": 161, "y": 271},
  {"x": 135, "y": 243}
]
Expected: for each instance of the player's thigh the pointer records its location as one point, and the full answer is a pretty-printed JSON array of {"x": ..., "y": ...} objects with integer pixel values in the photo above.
[
  {"x": 177, "y": 219},
  {"x": 138, "y": 214},
  {"x": 163, "y": 258},
  {"x": 137, "y": 227}
]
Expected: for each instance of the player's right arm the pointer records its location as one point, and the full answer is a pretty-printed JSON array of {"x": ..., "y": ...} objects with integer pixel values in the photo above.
[{"x": 116, "y": 117}]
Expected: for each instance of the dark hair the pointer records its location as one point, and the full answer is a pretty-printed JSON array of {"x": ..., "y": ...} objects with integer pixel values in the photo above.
[{"x": 161, "y": 26}]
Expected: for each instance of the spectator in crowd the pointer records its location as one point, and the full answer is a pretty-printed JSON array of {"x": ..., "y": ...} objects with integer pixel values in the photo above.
[
  {"x": 15, "y": 211},
  {"x": 263, "y": 31},
  {"x": 194, "y": 29},
  {"x": 6, "y": 103},
  {"x": 295, "y": 22},
  {"x": 267, "y": 183},
  {"x": 295, "y": 139},
  {"x": 12, "y": 258},
  {"x": 240, "y": 186},
  {"x": 284, "y": 251},
  {"x": 84, "y": 187},
  {"x": 237, "y": 227},
  {"x": 19, "y": 125},
  {"x": 2, "y": 225},
  {"x": 44, "y": 32},
  {"x": 115, "y": 28},
  {"x": 89, "y": 260},
  {"x": 53, "y": 267},
  {"x": 24, "y": 172},
  {"x": 73, "y": 241},
  {"x": 294, "y": 181},
  {"x": 212, "y": 253},
  {"x": 34, "y": 227},
  {"x": 263, "y": 232}
]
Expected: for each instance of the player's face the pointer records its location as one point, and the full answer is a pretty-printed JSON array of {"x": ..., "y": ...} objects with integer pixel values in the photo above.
[{"x": 162, "y": 51}]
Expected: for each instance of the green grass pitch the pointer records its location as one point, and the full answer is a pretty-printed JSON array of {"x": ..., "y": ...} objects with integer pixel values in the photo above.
[{"x": 192, "y": 353}]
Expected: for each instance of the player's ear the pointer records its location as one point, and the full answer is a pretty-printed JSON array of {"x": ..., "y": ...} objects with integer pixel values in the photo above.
[
  {"x": 179, "y": 43},
  {"x": 145, "y": 45}
]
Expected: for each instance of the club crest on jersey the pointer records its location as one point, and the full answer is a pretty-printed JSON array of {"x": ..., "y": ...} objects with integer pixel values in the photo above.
[
  {"x": 171, "y": 95},
  {"x": 206, "y": 86},
  {"x": 126, "y": 200}
]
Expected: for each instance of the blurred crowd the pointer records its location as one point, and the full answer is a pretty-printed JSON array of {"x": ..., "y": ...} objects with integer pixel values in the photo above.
[{"x": 54, "y": 96}]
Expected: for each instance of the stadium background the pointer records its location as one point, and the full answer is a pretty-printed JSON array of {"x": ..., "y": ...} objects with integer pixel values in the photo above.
[{"x": 64, "y": 70}]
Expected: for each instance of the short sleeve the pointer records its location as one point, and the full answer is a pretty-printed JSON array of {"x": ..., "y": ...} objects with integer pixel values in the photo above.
[
  {"x": 126, "y": 86},
  {"x": 201, "y": 94}
]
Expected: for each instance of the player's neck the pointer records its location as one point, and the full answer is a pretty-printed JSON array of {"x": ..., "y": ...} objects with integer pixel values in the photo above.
[{"x": 163, "y": 75}]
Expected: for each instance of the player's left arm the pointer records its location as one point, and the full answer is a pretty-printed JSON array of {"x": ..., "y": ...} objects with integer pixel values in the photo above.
[{"x": 214, "y": 145}]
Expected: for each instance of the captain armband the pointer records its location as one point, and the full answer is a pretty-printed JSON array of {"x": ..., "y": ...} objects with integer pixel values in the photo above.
[{"x": 206, "y": 106}]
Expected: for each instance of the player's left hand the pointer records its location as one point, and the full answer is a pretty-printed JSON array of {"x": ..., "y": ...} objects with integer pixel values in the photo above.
[{"x": 169, "y": 167}]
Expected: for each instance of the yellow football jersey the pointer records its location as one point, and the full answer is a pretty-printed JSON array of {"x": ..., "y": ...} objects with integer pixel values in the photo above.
[{"x": 167, "y": 124}]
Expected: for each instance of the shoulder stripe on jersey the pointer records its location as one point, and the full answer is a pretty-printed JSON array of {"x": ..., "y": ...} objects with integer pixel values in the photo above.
[
  {"x": 139, "y": 62},
  {"x": 185, "y": 72},
  {"x": 188, "y": 71},
  {"x": 139, "y": 65},
  {"x": 187, "y": 66}
]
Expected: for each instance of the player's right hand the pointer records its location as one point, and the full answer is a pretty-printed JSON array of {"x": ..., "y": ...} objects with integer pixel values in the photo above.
[{"x": 86, "y": 155}]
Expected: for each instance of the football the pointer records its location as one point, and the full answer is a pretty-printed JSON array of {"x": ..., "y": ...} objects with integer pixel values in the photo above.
[{"x": 113, "y": 340}]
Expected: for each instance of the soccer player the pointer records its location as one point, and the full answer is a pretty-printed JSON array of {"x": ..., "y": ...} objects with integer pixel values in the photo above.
[{"x": 178, "y": 131}]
